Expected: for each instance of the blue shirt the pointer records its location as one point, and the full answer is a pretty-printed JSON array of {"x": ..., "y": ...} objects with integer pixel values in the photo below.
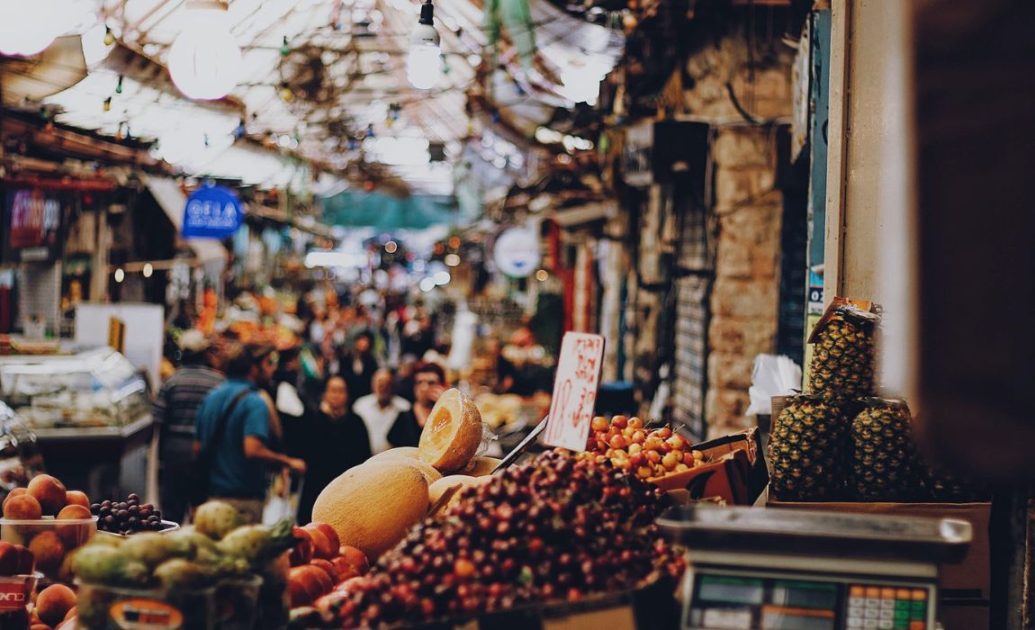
[{"x": 232, "y": 474}]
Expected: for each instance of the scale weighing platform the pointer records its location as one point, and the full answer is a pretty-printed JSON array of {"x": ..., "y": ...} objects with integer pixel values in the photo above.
[{"x": 779, "y": 569}]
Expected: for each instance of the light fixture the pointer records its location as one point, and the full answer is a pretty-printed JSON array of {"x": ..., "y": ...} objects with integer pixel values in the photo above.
[
  {"x": 424, "y": 64},
  {"x": 27, "y": 28},
  {"x": 120, "y": 275},
  {"x": 149, "y": 270},
  {"x": 205, "y": 61}
]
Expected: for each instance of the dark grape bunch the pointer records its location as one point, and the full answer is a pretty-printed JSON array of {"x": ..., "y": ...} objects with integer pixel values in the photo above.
[
  {"x": 127, "y": 517},
  {"x": 559, "y": 528}
]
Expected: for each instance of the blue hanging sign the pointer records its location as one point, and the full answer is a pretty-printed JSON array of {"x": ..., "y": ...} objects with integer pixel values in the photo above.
[{"x": 212, "y": 212}]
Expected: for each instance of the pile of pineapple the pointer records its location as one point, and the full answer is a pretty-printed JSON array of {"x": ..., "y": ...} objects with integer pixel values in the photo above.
[{"x": 840, "y": 441}]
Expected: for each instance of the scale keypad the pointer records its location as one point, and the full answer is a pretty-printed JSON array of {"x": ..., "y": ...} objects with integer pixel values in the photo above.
[{"x": 876, "y": 608}]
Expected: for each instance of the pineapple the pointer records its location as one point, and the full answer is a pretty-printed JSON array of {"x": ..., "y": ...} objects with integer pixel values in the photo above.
[
  {"x": 883, "y": 453},
  {"x": 805, "y": 450},
  {"x": 843, "y": 355}
]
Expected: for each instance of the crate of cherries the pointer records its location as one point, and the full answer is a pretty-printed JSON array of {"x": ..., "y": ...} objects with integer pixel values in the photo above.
[{"x": 129, "y": 516}]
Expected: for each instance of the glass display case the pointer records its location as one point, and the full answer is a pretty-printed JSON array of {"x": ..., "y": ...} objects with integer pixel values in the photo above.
[
  {"x": 95, "y": 389},
  {"x": 20, "y": 458}
]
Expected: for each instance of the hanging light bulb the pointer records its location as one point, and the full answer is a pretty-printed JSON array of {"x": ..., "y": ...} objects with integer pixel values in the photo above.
[
  {"x": 205, "y": 61},
  {"x": 27, "y": 28},
  {"x": 424, "y": 63}
]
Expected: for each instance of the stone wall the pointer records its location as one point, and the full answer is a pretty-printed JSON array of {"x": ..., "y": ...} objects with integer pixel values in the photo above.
[{"x": 745, "y": 294}]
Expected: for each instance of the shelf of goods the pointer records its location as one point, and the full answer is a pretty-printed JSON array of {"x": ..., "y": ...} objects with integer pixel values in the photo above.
[{"x": 90, "y": 414}]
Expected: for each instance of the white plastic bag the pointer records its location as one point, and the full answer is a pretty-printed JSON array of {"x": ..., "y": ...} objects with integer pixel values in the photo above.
[{"x": 772, "y": 376}]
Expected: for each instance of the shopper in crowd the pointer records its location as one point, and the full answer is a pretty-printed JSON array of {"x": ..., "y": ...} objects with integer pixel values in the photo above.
[
  {"x": 247, "y": 442},
  {"x": 359, "y": 364},
  {"x": 175, "y": 408},
  {"x": 404, "y": 377},
  {"x": 380, "y": 410},
  {"x": 523, "y": 366},
  {"x": 429, "y": 381},
  {"x": 334, "y": 440}
]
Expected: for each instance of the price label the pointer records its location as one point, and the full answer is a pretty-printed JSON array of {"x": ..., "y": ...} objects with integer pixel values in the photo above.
[{"x": 575, "y": 391}]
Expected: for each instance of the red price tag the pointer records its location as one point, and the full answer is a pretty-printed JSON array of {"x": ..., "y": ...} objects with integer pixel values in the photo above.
[{"x": 575, "y": 391}]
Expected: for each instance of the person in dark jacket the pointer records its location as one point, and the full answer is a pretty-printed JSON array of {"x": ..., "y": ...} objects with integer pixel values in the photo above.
[
  {"x": 333, "y": 440},
  {"x": 175, "y": 408},
  {"x": 429, "y": 381},
  {"x": 358, "y": 365}
]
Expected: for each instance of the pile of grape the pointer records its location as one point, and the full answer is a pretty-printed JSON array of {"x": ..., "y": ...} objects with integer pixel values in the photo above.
[
  {"x": 558, "y": 528},
  {"x": 127, "y": 517}
]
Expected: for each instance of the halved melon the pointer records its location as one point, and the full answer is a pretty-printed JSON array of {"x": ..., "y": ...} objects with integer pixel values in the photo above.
[
  {"x": 452, "y": 433},
  {"x": 399, "y": 451},
  {"x": 481, "y": 466}
]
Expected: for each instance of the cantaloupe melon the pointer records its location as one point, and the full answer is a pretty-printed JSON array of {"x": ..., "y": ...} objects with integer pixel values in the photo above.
[
  {"x": 373, "y": 506},
  {"x": 408, "y": 455},
  {"x": 400, "y": 451},
  {"x": 437, "y": 489},
  {"x": 481, "y": 466},
  {"x": 452, "y": 433}
]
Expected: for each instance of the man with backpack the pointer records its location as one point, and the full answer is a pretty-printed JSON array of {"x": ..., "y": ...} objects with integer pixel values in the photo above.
[{"x": 236, "y": 439}]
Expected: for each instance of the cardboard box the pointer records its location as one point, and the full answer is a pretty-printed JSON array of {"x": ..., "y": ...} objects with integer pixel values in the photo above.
[
  {"x": 735, "y": 472},
  {"x": 965, "y": 587}
]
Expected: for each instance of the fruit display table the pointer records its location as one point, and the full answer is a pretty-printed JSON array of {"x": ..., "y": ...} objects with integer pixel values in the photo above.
[{"x": 103, "y": 461}]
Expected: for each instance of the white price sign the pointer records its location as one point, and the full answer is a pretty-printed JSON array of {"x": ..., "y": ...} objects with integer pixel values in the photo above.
[{"x": 575, "y": 391}]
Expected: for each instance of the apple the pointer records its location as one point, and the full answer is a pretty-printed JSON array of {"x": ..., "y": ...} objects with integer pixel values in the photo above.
[
  {"x": 327, "y": 567},
  {"x": 325, "y": 540},
  {"x": 302, "y": 551},
  {"x": 344, "y": 568},
  {"x": 306, "y": 583},
  {"x": 355, "y": 557}
]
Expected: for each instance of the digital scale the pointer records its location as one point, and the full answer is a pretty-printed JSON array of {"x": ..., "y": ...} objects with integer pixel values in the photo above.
[{"x": 780, "y": 569}]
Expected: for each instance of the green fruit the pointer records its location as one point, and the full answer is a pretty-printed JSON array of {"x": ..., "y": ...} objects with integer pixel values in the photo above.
[
  {"x": 135, "y": 573},
  {"x": 150, "y": 548},
  {"x": 189, "y": 544},
  {"x": 216, "y": 519},
  {"x": 104, "y": 564},
  {"x": 179, "y": 574},
  {"x": 246, "y": 542},
  {"x": 99, "y": 564}
]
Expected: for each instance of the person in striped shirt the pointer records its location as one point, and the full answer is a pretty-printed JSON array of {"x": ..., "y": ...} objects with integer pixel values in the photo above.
[{"x": 175, "y": 409}]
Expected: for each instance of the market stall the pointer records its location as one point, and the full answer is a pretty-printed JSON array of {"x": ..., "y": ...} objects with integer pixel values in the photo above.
[{"x": 90, "y": 413}]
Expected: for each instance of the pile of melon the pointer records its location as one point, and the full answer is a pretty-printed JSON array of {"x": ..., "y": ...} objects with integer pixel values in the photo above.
[{"x": 373, "y": 505}]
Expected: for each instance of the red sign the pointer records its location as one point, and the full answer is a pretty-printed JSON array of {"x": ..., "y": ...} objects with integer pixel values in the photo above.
[
  {"x": 575, "y": 391},
  {"x": 35, "y": 222},
  {"x": 13, "y": 595}
]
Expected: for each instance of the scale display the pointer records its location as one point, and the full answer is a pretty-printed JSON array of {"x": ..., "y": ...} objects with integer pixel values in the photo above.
[{"x": 740, "y": 601}]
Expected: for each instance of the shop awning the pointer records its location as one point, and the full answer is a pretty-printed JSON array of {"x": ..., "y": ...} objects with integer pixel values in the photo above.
[{"x": 172, "y": 200}]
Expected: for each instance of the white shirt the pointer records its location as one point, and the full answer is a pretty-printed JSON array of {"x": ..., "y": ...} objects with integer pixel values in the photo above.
[{"x": 379, "y": 420}]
